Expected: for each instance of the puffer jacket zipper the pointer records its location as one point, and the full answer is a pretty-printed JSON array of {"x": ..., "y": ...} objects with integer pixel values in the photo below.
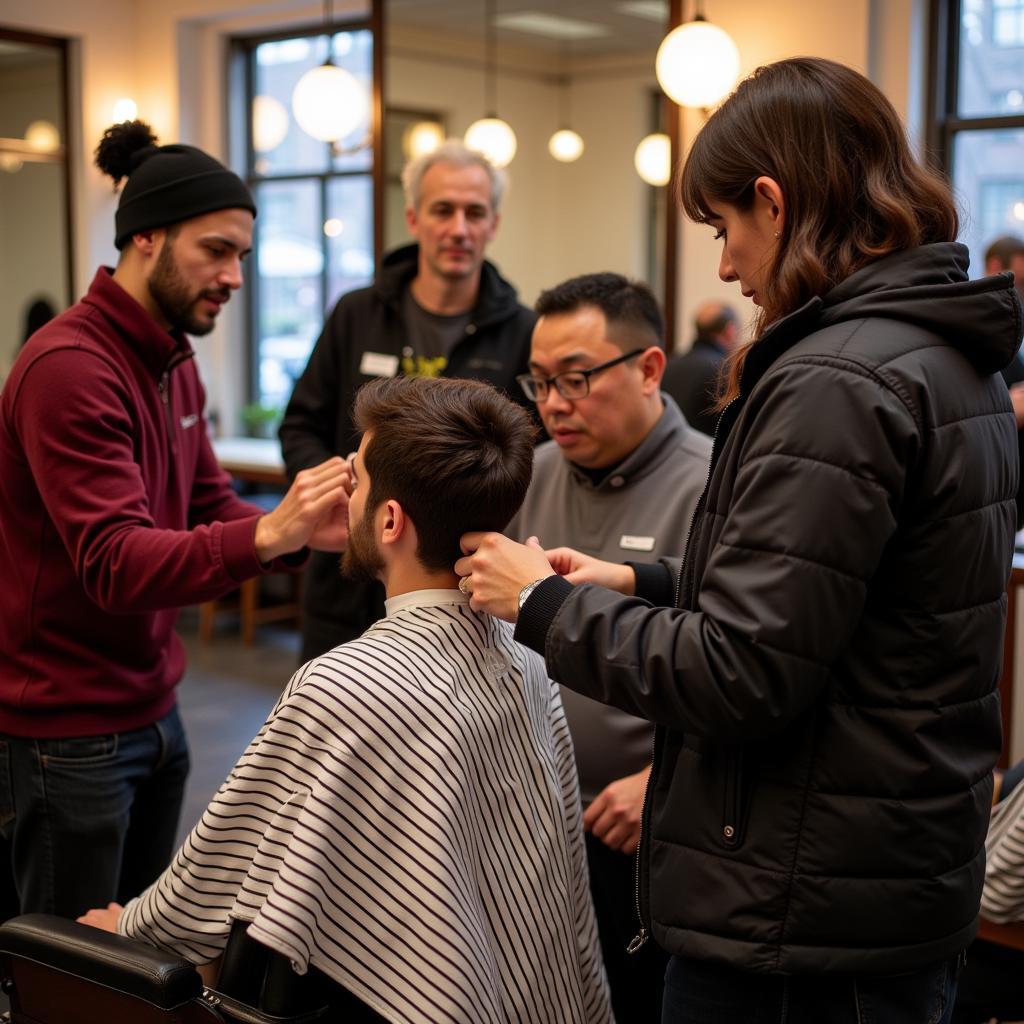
[{"x": 638, "y": 940}]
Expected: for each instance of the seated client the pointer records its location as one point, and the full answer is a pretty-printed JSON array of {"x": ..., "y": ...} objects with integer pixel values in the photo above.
[{"x": 408, "y": 820}]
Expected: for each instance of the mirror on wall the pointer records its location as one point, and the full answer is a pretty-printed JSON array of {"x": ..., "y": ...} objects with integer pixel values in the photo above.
[
  {"x": 584, "y": 65},
  {"x": 35, "y": 270}
]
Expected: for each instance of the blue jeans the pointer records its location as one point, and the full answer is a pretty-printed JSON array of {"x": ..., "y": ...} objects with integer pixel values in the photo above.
[
  {"x": 698, "y": 992},
  {"x": 87, "y": 820}
]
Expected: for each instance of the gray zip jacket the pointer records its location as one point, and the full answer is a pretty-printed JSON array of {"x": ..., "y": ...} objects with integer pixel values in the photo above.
[{"x": 637, "y": 512}]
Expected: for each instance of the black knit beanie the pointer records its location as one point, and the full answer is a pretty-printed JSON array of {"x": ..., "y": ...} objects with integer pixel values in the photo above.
[{"x": 166, "y": 184}]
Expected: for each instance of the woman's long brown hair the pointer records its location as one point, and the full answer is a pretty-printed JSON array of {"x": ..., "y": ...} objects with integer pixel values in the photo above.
[{"x": 853, "y": 190}]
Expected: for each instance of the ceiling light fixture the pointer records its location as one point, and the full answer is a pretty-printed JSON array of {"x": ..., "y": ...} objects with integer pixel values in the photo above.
[
  {"x": 697, "y": 63},
  {"x": 653, "y": 159},
  {"x": 269, "y": 123},
  {"x": 565, "y": 145},
  {"x": 421, "y": 138},
  {"x": 491, "y": 136},
  {"x": 329, "y": 102}
]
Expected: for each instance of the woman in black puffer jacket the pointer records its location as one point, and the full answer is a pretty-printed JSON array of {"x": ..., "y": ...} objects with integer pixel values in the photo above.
[{"x": 823, "y": 664}]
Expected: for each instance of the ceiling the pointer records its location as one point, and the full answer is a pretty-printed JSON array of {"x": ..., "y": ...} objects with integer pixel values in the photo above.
[{"x": 578, "y": 27}]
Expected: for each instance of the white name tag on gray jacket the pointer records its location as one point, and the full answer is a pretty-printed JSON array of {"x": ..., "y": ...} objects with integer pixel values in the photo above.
[
  {"x": 628, "y": 543},
  {"x": 378, "y": 364}
]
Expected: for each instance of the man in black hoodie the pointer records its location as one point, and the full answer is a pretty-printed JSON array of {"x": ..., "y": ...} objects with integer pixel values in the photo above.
[{"x": 437, "y": 308}]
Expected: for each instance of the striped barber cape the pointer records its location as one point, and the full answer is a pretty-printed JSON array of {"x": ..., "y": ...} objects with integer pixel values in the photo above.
[
  {"x": 408, "y": 822},
  {"x": 1002, "y": 899}
]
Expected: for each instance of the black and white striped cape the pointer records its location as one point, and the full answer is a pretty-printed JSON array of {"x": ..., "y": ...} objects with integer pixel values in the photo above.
[
  {"x": 1002, "y": 899},
  {"x": 408, "y": 822}
]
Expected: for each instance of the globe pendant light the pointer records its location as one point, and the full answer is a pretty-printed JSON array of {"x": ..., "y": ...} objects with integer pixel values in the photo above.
[
  {"x": 653, "y": 159},
  {"x": 421, "y": 138},
  {"x": 491, "y": 136},
  {"x": 697, "y": 63},
  {"x": 565, "y": 145},
  {"x": 329, "y": 102},
  {"x": 269, "y": 123}
]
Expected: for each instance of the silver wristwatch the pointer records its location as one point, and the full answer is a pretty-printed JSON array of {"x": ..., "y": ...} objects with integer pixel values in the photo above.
[{"x": 527, "y": 591}]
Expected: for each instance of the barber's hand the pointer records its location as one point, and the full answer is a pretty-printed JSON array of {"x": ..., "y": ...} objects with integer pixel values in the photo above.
[
  {"x": 104, "y": 919},
  {"x": 614, "y": 816},
  {"x": 314, "y": 512},
  {"x": 496, "y": 569},
  {"x": 1017, "y": 398},
  {"x": 579, "y": 568}
]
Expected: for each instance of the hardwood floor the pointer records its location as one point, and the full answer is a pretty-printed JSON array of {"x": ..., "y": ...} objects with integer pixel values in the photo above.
[{"x": 225, "y": 697}]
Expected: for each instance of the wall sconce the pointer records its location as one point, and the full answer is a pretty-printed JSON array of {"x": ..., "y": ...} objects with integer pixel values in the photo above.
[
  {"x": 43, "y": 137},
  {"x": 125, "y": 109},
  {"x": 697, "y": 63},
  {"x": 329, "y": 102},
  {"x": 653, "y": 159},
  {"x": 491, "y": 136}
]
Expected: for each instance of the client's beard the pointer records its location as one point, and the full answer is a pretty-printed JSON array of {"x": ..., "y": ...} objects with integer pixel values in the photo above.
[{"x": 361, "y": 561}]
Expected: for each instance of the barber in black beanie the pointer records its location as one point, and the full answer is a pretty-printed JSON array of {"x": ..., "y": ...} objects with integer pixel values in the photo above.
[{"x": 115, "y": 513}]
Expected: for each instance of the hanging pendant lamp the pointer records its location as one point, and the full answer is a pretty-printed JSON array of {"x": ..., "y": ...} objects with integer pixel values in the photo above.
[
  {"x": 697, "y": 63},
  {"x": 491, "y": 136},
  {"x": 329, "y": 102},
  {"x": 565, "y": 145}
]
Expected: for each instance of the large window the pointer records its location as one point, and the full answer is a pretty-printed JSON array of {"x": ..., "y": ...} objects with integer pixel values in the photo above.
[
  {"x": 314, "y": 235},
  {"x": 979, "y": 115}
]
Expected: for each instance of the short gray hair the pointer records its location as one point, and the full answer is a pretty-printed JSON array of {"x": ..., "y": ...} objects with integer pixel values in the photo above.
[{"x": 458, "y": 154}]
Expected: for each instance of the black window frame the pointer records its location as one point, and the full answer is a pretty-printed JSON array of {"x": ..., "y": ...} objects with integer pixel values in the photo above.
[
  {"x": 944, "y": 120},
  {"x": 241, "y": 92}
]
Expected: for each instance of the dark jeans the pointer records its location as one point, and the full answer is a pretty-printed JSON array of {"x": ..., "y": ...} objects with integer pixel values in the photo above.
[
  {"x": 636, "y": 980},
  {"x": 88, "y": 820},
  {"x": 698, "y": 992}
]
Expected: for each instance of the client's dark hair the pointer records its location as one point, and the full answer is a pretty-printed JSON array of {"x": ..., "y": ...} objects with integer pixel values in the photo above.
[{"x": 455, "y": 454}]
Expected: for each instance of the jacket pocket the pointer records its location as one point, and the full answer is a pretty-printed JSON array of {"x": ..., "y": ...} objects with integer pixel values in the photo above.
[{"x": 734, "y": 804}]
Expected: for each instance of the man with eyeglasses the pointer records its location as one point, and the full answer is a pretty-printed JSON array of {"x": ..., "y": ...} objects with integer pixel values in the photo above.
[{"x": 618, "y": 480}]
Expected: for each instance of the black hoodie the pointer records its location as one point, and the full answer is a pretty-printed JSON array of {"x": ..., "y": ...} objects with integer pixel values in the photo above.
[
  {"x": 365, "y": 330},
  {"x": 825, "y": 689}
]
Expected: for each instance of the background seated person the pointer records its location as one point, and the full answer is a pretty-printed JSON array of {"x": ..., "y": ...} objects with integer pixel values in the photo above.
[{"x": 407, "y": 820}]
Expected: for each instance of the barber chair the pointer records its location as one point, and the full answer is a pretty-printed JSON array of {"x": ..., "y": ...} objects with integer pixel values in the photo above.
[{"x": 56, "y": 971}]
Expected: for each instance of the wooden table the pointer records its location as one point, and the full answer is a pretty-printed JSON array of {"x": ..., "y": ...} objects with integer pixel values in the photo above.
[{"x": 253, "y": 461}]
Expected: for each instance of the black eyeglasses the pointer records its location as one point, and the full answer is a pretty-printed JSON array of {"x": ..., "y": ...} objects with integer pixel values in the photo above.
[{"x": 571, "y": 384}]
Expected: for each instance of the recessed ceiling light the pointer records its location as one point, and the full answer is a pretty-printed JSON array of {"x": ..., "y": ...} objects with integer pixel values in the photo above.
[
  {"x": 551, "y": 25},
  {"x": 652, "y": 10}
]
